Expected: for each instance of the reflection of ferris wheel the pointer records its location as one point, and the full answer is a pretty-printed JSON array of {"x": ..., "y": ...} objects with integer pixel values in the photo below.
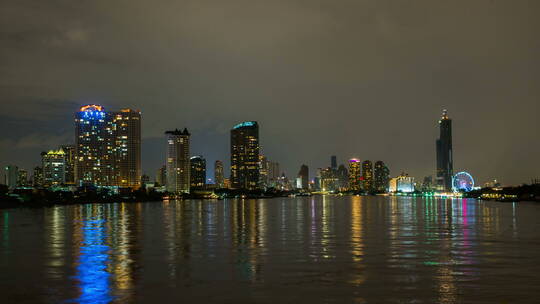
[{"x": 462, "y": 181}]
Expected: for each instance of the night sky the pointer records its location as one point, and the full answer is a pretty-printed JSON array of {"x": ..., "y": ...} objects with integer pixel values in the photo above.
[{"x": 366, "y": 79}]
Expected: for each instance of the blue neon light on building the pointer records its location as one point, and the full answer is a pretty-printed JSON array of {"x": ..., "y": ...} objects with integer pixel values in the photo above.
[{"x": 245, "y": 124}]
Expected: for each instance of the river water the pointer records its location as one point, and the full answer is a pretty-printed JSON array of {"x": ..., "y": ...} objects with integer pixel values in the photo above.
[{"x": 320, "y": 249}]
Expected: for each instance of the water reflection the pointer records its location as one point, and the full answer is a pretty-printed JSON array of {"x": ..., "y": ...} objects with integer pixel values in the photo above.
[
  {"x": 93, "y": 258},
  {"x": 357, "y": 249}
]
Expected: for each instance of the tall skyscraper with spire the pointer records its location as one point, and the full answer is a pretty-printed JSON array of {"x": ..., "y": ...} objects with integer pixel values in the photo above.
[{"x": 445, "y": 166}]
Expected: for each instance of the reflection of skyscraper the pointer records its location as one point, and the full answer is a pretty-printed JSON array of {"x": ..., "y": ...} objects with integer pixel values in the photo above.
[
  {"x": 219, "y": 179},
  {"x": 303, "y": 176},
  {"x": 354, "y": 175},
  {"x": 54, "y": 167},
  {"x": 367, "y": 175},
  {"x": 108, "y": 147},
  {"x": 245, "y": 156},
  {"x": 198, "y": 171},
  {"x": 445, "y": 167},
  {"x": 381, "y": 177},
  {"x": 178, "y": 165}
]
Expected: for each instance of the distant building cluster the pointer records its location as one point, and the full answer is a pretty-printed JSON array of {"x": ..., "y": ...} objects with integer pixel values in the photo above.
[{"x": 107, "y": 154}]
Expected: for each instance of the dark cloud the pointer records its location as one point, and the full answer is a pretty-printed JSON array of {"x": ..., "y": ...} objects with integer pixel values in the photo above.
[{"x": 352, "y": 78}]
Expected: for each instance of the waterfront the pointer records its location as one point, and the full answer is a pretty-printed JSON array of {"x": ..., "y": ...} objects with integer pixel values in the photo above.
[{"x": 320, "y": 249}]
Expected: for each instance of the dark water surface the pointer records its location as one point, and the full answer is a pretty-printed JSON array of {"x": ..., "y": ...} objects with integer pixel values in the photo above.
[{"x": 291, "y": 250}]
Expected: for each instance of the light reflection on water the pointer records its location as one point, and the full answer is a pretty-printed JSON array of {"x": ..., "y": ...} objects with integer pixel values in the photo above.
[{"x": 311, "y": 249}]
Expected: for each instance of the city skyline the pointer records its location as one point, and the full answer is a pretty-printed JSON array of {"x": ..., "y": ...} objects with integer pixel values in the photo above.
[
  {"x": 327, "y": 72},
  {"x": 444, "y": 126}
]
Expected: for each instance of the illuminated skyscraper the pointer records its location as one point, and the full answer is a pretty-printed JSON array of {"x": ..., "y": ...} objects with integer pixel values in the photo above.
[
  {"x": 219, "y": 178},
  {"x": 54, "y": 167},
  {"x": 198, "y": 172},
  {"x": 445, "y": 167},
  {"x": 108, "y": 147},
  {"x": 382, "y": 177},
  {"x": 245, "y": 156},
  {"x": 355, "y": 175},
  {"x": 37, "y": 177},
  {"x": 303, "y": 176},
  {"x": 367, "y": 175},
  {"x": 22, "y": 178},
  {"x": 178, "y": 163}
]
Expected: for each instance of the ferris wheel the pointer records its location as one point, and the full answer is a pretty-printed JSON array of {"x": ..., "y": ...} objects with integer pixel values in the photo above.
[{"x": 462, "y": 181}]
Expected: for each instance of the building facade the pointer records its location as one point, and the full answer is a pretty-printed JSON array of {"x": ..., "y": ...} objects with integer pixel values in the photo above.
[
  {"x": 355, "y": 177},
  {"x": 303, "y": 178},
  {"x": 53, "y": 163},
  {"x": 161, "y": 176},
  {"x": 198, "y": 172},
  {"x": 445, "y": 166},
  {"x": 22, "y": 178},
  {"x": 245, "y": 156},
  {"x": 69, "y": 151},
  {"x": 37, "y": 177},
  {"x": 11, "y": 175},
  {"x": 403, "y": 183},
  {"x": 367, "y": 175},
  {"x": 219, "y": 177},
  {"x": 108, "y": 147},
  {"x": 343, "y": 177},
  {"x": 381, "y": 177},
  {"x": 178, "y": 162},
  {"x": 273, "y": 173}
]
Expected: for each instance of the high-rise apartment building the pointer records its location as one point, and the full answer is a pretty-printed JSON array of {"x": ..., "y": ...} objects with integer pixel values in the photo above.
[
  {"x": 382, "y": 177},
  {"x": 53, "y": 163},
  {"x": 219, "y": 177},
  {"x": 69, "y": 151},
  {"x": 11, "y": 174},
  {"x": 108, "y": 147},
  {"x": 161, "y": 176},
  {"x": 273, "y": 173},
  {"x": 355, "y": 177},
  {"x": 263, "y": 171},
  {"x": 22, "y": 178},
  {"x": 178, "y": 162},
  {"x": 333, "y": 162},
  {"x": 445, "y": 166},
  {"x": 303, "y": 177},
  {"x": 367, "y": 175},
  {"x": 37, "y": 177},
  {"x": 343, "y": 177},
  {"x": 245, "y": 156},
  {"x": 198, "y": 172}
]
